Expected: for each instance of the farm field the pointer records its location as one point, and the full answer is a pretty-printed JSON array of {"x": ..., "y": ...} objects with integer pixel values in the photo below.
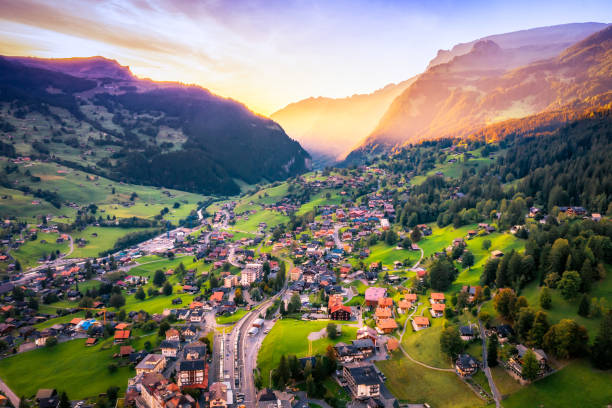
[
  {"x": 30, "y": 252},
  {"x": 104, "y": 239}
]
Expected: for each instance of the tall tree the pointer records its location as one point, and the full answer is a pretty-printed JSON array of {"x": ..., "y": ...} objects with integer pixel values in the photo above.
[
  {"x": 531, "y": 366},
  {"x": 492, "y": 351},
  {"x": 539, "y": 329},
  {"x": 601, "y": 351},
  {"x": 450, "y": 342},
  {"x": 584, "y": 307}
]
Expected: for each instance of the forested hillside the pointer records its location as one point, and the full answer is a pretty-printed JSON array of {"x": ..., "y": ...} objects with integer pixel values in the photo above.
[{"x": 139, "y": 131}]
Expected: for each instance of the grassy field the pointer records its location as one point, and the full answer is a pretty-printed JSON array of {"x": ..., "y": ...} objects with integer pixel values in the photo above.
[
  {"x": 454, "y": 170},
  {"x": 271, "y": 218},
  {"x": 14, "y": 203},
  {"x": 576, "y": 385},
  {"x": 29, "y": 253},
  {"x": 412, "y": 383},
  {"x": 231, "y": 318},
  {"x": 82, "y": 188},
  {"x": 105, "y": 240},
  {"x": 81, "y": 371},
  {"x": 386, "y": 254},
  {"x": 290, "y": 337}
]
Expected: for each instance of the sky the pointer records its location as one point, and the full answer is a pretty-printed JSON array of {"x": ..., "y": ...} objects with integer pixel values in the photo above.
[{"x": 269, "y": 53}]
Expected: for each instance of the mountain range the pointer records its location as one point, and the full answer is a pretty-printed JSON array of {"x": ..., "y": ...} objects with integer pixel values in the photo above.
[
  {"x": 475, "y": 90},
  {"x": 471, "y": 85},
  {"x": 92, "y": 113}
]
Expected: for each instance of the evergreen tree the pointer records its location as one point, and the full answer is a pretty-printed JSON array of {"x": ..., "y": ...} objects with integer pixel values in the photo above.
[
  {"x": 64, "y": 401},
  {"x": 492, "y": 351},
  {"x": 601, "y": 352},
  {"x": 584, "y": 308},
  {"x": 545, "y": 298},
  {"x": 531, "y": 366},
  {"x": 539, "y": 329}
]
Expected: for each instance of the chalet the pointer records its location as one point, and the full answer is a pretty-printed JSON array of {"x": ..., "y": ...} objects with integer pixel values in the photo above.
[
  {"x": 386, "y": 326},
  {"x": 189, "y": 332},
  {"x": 173, "y": 334},
  {"x": 467, "y": 333},
  {"x": 420, "y": 323},
  {"x": 365, "y": 346},
  {"x": 437, "y": 309},
  {"x": 196, "y": 316},
  {"x": 411, "y": 297},
  {"x": 403, "y": 306},
  {"x": 345, "y": 353},
  {"x": 216, "y": 297},
  {"x": 91, "y": 341},
  {"x": 362, "y": 379},
  {"x": 47, "y": 398},
  {"x": 367, "y": 332},
  {"x": 295, "y": 273},
  {"x": 466, "y": 365},
  {"x": 392, "y": 344},
  {"x": 125, "y": 351},
  {"x": 382, "y": 313},
  {"x": 504, "y": 332},
  {"x": 437, "y": 297},
  {"x": 496, "y": 254},
  {"x": 157, "y": 392},
  {"x": 169, "y": 348},
  {"x": 121, "y": 336},
  {"x": 340, "y": 312},
  {"x": 516, "y": 362},
  {"x": 385, "y": 302}
]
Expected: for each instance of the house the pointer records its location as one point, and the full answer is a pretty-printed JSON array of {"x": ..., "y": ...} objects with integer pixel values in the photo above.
[
  {"x": 91, "y": 341},
  {"x": 411, "y": 297},
  {"x": 169, "y": 348},
  {"x": 403, "y": 306},
  {"x": 362, "y": 379},
  {"x": 504, "y": 332},
  {"x": 173, "y": 334},
  {"x": 219, "y": 395},
  {"x": 367, "y": 332},
  {"x": 365, "y": 346},
  {"x": 189, "y": 332},
  {"x": 152, "y": 363},
  {"x": 466, "y": 365},
  {"x": 196, "y": 316},
  {"x": 516, "y": 362},
  {"x": 340, "y": 312},
  {"x": 466, "y": 333},
  {"x": 437, "y": 309},
  {"x": 121, "y": 336},
  {"x": 125, "y": 351},
  {"x": 230, "y": 281},
  {"x": 216, "y": 297},
  {"x": 436, "y": 297},
  {"x": 157, "y": 392},
  {"x": 382, "y": 313},
  {"x": 373, "y": 294},
  {"x": 385, "y": 302},
  {"x": 295, "y": 273},
  {"x": 267, "y": 398},
  {"x": 194, "y": 351},
  {"x": 420, "y": 323},
  {"x": 347, "y": 353},
  {"x": 192, "y": 374},
  {"x": 47, "y": 398},
  {"x": 386, "y": 326},
  {"x": 496, "y": 254}
]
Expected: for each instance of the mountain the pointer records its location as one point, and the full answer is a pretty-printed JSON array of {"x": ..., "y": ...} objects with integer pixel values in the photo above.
[
  {"x": 535, "y": 43},
  {"x": 330, "y": 127},
  {"x": 459, "y": 97},
  {"x": 92, "y": 113}
]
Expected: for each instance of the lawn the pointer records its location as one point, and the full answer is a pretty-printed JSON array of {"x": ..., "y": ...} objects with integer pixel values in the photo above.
[
  {"x": 290, "y": 337},
  {"x": 412, "y": 383},
  {"x": 576, "y": 385},
  {"x": 271, "y": 218},
  {"x": 504, "y": 382},
  {"x": 81, "y": 371},
  {"x": 231, "y": 318}
]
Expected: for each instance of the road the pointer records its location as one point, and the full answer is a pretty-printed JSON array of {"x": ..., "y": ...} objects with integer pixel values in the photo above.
[
  {"x": 10, "y": 394},
  {"x": 336, "y": 236},
  {"x": 485, "y": 365}
]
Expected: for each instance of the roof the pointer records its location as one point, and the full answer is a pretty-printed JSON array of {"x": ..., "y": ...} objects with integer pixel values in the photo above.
[
  {"x": 392, "y": 344},
  {"x": 387, "y": 324},
  {"x": 374, "y": 293},
  {"x": 45, "y": 393},
  {"x": 385, "y": 302},
  {"x": 421, "y": 320},
  {"x": 174, "y": 344},
  {"x": 191, "y": 365},
  {"x": 122, "y": 334},
  {"x": 364, "y": 374},
  {"x": 438, "y": 307},
  {"x": 125, "y": 350},
  {"x": 412, "y": 297},
  {"x": 437, "y": 296}
]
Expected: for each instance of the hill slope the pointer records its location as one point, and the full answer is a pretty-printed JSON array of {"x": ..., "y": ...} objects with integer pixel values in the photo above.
[
  {"x": 331, "y": 127},
  {"x": 458, "y": 98},
  {"x": 92, "y": 113}
]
